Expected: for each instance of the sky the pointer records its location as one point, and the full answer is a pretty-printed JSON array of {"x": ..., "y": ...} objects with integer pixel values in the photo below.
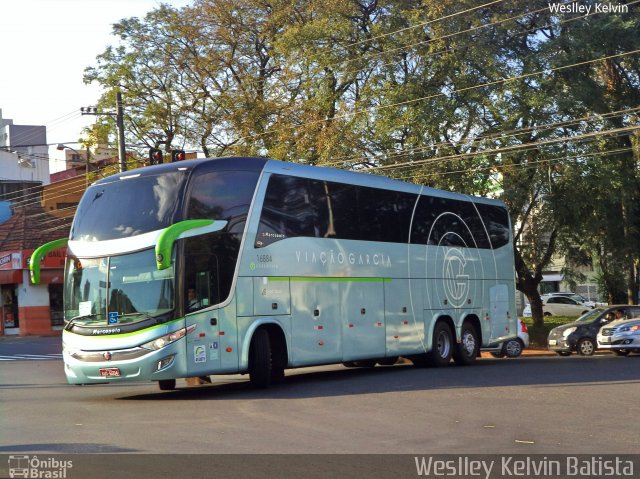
[{"x": 45, "y": 45}]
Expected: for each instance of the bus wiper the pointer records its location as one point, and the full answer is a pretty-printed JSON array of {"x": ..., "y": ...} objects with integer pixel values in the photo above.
[{"x": 72, "y": 321}]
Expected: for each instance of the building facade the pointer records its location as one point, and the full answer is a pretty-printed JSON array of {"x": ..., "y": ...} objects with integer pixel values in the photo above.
[
  {"x": 28, "y": 309},
  {"x": 24, "y": 154}
]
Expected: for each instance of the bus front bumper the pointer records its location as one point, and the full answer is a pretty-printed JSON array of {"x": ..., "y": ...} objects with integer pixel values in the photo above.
[{"x": 124, "y": 365}]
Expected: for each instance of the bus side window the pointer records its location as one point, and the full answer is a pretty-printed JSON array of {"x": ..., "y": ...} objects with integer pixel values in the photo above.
[{"x": 293, "y": 207}]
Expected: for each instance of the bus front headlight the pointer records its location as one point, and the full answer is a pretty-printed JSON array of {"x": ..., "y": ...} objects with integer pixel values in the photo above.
[{"x": 167, "y": 339}]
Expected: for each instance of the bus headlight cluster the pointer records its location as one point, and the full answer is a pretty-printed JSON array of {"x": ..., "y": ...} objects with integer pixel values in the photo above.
[{"x": 167, "y": 339}]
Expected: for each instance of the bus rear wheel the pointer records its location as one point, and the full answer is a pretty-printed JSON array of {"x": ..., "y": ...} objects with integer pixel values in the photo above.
[
  {"x": 466, "y": 351},
  {"x": 260, "y": 361}
]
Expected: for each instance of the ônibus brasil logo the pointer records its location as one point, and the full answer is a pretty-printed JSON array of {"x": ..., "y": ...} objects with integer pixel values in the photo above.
[{"x": 34, "y": 467}]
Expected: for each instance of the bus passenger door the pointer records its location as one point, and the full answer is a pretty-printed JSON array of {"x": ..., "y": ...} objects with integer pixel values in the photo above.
[{"x": 200, "y": 292}]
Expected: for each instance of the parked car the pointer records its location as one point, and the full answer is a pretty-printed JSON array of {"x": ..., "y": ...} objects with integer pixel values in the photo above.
[
  {"x": 575, "y": 296},
  {"x": 621, "y": 336},
  {"x": 554, "y": 305},
  {"x": 582, "y": 335},
  {"x": 513, "y": 347}
]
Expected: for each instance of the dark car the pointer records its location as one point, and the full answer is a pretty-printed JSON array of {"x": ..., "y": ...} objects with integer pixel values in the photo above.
[{"x": 581, "y": 335}]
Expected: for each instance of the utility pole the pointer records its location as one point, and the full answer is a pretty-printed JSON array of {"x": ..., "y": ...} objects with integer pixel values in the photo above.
[
  {"x": 122, "y": 154},
  {"x": 119, "y": 115}
]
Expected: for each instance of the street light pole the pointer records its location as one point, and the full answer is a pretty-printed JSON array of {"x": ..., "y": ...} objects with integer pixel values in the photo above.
[{"x": 62, "y": 146}]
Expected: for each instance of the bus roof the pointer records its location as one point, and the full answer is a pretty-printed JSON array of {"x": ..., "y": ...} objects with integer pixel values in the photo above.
[{"x": 295, "y": 169}]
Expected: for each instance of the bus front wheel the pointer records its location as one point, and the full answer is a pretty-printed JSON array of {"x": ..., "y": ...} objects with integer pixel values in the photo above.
[
  {"x": 167, "y": 384},
  {"x": 260, "y": 361},
  {"x": 442, "y": 345}
]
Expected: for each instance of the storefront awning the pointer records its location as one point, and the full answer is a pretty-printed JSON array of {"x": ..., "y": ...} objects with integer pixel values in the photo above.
[{"x": 11, "y": 276}]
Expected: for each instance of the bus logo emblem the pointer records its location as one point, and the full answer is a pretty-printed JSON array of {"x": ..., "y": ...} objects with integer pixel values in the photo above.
[{"x": 456, "y": 280}]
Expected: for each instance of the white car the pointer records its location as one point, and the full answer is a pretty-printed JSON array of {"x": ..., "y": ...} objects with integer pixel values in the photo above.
[
  {"x": 555, "y": 305},
  {"x": 512, "y": 348},
  {"x": 577, "y": 297},
  {"x": 621, "y": 336}
]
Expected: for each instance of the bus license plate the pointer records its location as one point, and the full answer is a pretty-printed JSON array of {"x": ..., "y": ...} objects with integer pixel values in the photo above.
[
  {"x": 110, "y": 372},
  {"x": 552, "y": 342}
]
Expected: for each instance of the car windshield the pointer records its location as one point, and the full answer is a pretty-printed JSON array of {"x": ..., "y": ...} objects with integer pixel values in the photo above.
[
  {"x": 578, "y": 298},
  {"x": 590, "y": 316},
  {"x": 113, "y": 290}
]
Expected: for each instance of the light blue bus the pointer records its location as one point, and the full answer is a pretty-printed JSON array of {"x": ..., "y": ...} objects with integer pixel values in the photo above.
[{"x": 249, "y": 265}]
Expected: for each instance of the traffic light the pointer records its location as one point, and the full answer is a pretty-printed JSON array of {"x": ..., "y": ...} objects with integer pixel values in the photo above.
[
  {"x": 155, "y": 156},
  {"x": 177, "y": 155}
]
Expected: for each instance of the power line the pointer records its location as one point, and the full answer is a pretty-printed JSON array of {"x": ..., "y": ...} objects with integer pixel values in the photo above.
[
  {"x": 509, "y": 133},
  {"x": 509, "y": 149},
  {"x": 522, "y": 166}
]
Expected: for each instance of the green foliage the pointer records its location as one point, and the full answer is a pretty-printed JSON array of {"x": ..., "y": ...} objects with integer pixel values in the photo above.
[{"x": 538, "y": 333}]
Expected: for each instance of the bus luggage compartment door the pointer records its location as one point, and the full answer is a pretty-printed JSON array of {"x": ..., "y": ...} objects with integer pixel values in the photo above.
[
  {"x": 315, "y": 321},
  {"x": 363, "y": 320}
]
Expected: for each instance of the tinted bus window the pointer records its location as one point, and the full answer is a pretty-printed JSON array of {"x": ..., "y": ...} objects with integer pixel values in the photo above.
[
  {"x": 447, "y": 222},
  {"x": 343, "y": 211},
  {"x": 224, "y": 195},
  {"x": 496, "y": 221},
  {"x": 293, "y": 207},
  {"x": 385, "y": 215},
  {"x": 322, "y": 209}
]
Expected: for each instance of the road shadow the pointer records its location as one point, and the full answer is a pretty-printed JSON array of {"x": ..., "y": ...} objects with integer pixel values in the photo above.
[{"x": 486, "y": 373}]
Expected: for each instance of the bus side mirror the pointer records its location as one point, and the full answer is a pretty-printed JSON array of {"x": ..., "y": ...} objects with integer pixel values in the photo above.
[
  {"x": 182, "y": 229},
  {"x": 39, "y": 253}
]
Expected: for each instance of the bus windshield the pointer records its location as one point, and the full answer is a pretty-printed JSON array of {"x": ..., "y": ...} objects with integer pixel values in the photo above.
[
  {"x": 117, "y": 290},
  {"x": 122, "y": 208}
]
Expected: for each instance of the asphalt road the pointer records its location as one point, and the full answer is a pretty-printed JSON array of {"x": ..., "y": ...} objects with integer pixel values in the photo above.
[{"x": 531, "y": 405}]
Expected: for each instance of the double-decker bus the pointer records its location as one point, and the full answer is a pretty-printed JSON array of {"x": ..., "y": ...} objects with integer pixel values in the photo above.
[{"x": 249, "y": 265}]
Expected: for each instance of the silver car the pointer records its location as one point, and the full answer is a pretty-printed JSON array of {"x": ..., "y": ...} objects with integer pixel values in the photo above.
[
  {"x": 513, "y": 347},
  {"x": 621, "y": 337}
]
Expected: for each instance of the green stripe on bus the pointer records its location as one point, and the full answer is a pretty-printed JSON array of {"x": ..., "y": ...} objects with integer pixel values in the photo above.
[{"x": 328, "y": 279}]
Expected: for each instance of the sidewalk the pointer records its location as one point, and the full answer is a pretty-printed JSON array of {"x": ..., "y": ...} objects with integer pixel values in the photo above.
[{"x": 529, "y": 352}]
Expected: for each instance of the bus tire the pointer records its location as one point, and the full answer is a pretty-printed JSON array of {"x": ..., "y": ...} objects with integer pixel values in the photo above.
[
  {"x": 441, "y": 346},
  {"x": 278, "y": 364},
  {"x": 260, "y": 362},
  {"x": 465, "y": 352},
  {"x": 167, "y": 384}
]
